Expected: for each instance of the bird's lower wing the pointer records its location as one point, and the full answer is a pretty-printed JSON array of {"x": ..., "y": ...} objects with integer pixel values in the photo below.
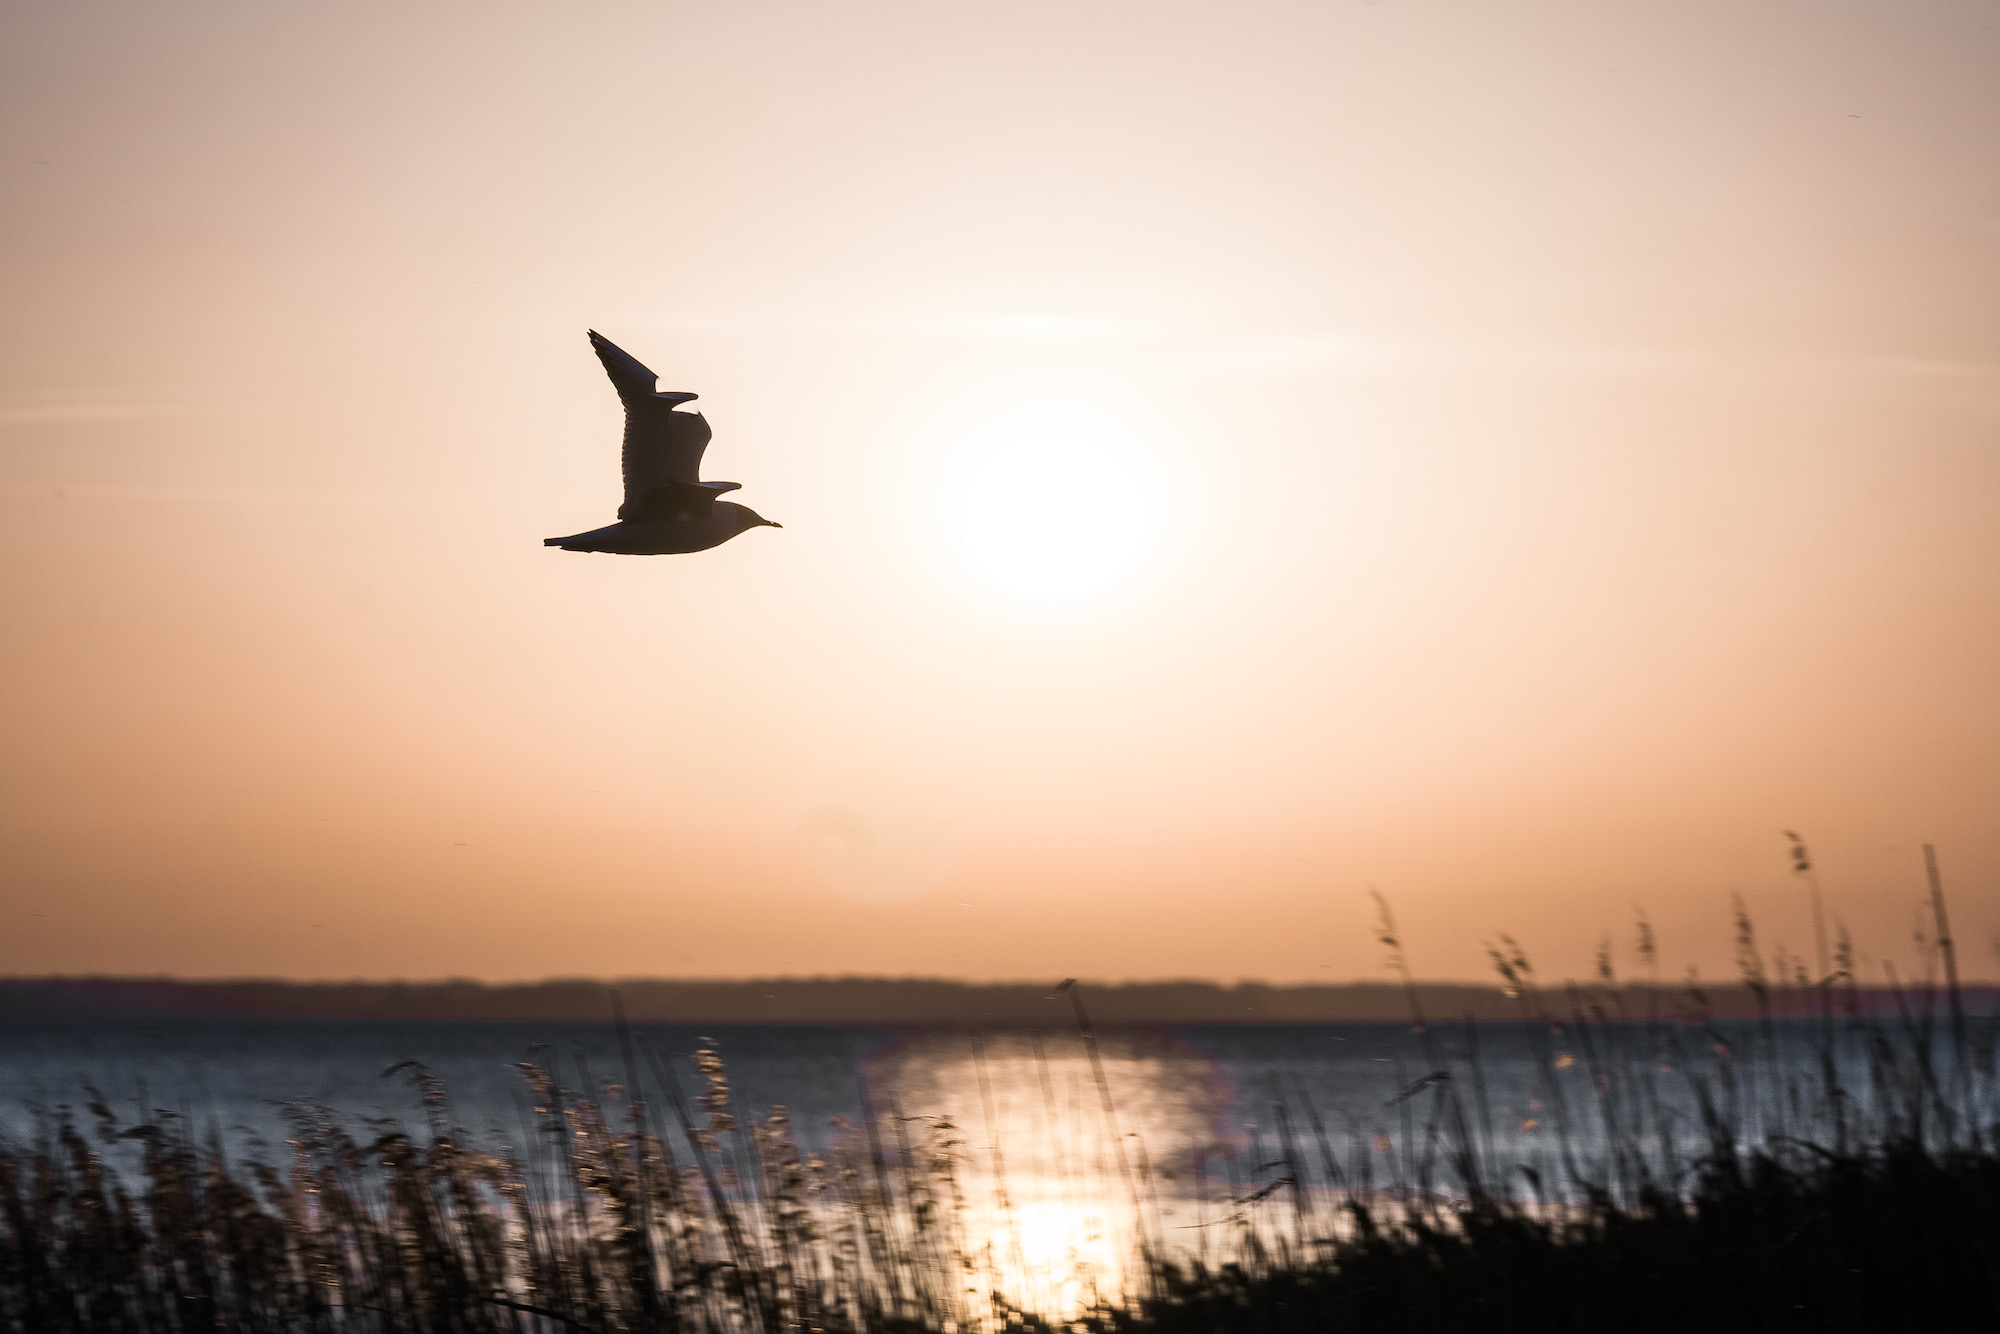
[{"x": 677, "y": 500}]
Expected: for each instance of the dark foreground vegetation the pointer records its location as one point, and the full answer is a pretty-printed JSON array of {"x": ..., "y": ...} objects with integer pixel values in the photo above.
[
  {"x": 1894, "y": 1240},
  {"x": 1687, "y": 1178}
]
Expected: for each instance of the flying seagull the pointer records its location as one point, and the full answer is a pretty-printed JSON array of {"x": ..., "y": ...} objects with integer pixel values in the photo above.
[{"x": 668, "y": 509}]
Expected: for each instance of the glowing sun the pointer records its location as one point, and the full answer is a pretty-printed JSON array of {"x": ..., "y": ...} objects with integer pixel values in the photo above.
[{"x": 1054, "y": 505}]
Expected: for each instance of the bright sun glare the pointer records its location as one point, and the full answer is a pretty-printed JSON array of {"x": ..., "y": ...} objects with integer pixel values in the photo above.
[{"x": 1054, "y": 504}]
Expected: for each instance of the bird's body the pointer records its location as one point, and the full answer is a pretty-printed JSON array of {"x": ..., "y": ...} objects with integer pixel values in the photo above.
[
  {"x": 668, "y": 509},
  {"x": 666, "y": 537}
]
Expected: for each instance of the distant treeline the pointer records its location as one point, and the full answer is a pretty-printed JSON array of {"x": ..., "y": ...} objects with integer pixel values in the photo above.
[{"x": 903, "y": 1001}]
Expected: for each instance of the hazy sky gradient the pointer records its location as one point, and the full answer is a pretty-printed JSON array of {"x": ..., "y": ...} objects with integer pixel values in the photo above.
[{"x": 1568, "y": 438}]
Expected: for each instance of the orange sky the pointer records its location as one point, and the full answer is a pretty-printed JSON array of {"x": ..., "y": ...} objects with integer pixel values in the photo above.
[{"x": 1543, "y": 449}]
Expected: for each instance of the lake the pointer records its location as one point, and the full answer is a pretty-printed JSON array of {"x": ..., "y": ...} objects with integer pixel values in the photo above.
[{"x": 1061, "y": 1169}]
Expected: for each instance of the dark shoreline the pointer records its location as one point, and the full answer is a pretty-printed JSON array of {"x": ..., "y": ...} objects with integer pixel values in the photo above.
[{"x": 901, "y": 1002}]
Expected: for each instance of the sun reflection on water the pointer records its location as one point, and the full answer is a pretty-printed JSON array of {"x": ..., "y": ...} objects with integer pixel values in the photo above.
[
  {"x": 1060, "y": 1181},
  {"x": 1053, "y": 1258}
]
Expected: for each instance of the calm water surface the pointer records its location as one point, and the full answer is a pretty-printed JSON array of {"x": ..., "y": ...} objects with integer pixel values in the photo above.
[
  {"x": 1059, "y": 1170},
  {"x": 1213, "y": 1087}
]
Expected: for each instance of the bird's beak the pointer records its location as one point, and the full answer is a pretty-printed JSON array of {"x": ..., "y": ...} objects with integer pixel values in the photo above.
[{"x": 769, "y": 524}]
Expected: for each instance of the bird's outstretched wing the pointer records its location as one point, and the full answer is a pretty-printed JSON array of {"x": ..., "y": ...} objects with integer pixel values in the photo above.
[
  {"x": 662, "y": 451},
  {"x": 675, "y": 500},
  {"x": 663, "y": 448},
  {"x": 627, "y": 372}
]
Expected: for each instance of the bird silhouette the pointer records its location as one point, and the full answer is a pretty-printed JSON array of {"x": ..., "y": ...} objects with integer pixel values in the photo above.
[{"x": 668, "y": 509}]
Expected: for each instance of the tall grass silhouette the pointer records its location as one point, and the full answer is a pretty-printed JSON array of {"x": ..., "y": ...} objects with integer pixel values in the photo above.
[{"x": 1672, "y": 1171}]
